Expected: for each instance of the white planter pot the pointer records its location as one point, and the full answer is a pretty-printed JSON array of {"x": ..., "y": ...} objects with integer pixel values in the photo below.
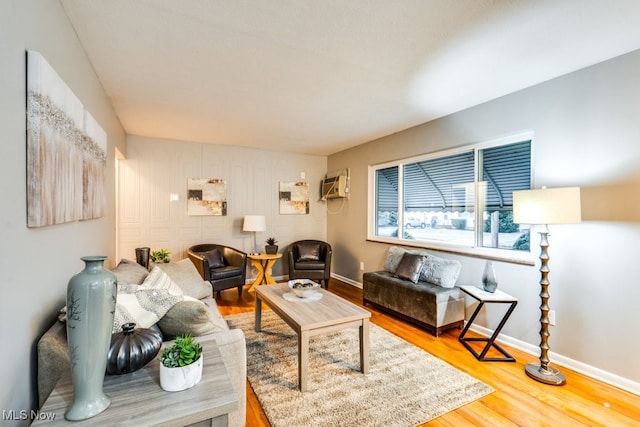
[{"x": 181, "y": 378}]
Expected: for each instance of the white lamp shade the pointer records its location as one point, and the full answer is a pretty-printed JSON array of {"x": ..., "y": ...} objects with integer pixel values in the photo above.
[
  {"x": 547, "y": 206},
  {"x": 254, "y": 223}
]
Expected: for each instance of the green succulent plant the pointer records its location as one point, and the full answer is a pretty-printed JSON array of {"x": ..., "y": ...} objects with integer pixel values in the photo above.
[
  {"x": 184, "y": 351},
  {"x": 271, "y": 241},
  {"x": 161, "y": 255}
]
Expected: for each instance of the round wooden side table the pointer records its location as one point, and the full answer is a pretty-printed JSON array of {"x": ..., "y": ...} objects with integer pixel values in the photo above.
[{"x": 263, "y": 263}]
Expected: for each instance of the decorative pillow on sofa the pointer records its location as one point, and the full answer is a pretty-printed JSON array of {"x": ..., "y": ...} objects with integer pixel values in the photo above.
[
  {"x": 440, "y": 271},
  {"x": 188, "y": 317},
  {"x": 410, "y": 267},
  {"x": 130, "y": 272},
  {"x": 308, "y": 252},
  {"x": 143, "y": 306},
  {"x": 394, "y": 256},
  {"x": 215, "y": 258},
  {"x": 159, "y": 279},
  {"x": 186, "y": 276}
]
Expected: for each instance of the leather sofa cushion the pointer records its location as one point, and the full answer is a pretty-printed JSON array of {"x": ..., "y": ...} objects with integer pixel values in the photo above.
[
  {"x": 308, "y": 252},
  {"x": 225, "y": 272},
  {"x": 309, "y": 265}
]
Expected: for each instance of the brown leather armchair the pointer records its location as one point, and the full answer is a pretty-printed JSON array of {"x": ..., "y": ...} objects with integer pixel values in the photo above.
[
  {"x": 223, "y": 266},
  {"x": 310, "y": 259}
]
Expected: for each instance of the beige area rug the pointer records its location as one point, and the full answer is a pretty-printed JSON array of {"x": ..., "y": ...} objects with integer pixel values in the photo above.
[{"x": 405, "y": 386}]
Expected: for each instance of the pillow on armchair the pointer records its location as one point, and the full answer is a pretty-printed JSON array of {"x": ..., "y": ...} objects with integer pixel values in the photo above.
[
  {"x": 215, "y": 258},
  {"x": 308, "y": 252}
]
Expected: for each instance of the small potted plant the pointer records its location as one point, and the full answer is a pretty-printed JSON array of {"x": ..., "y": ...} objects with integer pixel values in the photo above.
[
  {"x": 271, "y": 247},
  {"x": 160, "y": 256},
  {"x": 181, "y": 364}
]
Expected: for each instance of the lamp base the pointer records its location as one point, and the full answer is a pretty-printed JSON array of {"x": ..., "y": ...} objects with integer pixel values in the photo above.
[{"x": 549, "y": 375}]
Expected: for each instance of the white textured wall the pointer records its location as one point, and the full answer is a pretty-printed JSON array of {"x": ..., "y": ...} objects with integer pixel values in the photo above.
[
  {"x": 156, "y": 168},
  {"x": 587, "y": 133},
  {"x": 37, "y": 263}
]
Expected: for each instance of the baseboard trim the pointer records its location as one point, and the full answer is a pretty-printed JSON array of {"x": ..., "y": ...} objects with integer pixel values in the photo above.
[
  {"x": 556, "y": 359},
  {"x": 567, "y": 362},
  {"x": 347, "y": 280}
]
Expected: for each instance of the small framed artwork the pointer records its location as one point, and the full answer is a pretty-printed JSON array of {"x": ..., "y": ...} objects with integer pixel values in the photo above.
[
  {"x": 206, "y": 196},
  {"x": 294, "y": 198}
]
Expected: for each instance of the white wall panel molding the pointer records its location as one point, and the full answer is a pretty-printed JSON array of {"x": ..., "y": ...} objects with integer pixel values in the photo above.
[{"x": 154, "y": 169}]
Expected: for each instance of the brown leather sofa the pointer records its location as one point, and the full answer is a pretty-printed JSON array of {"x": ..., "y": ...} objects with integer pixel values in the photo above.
[{"x": 223, "y": 266}]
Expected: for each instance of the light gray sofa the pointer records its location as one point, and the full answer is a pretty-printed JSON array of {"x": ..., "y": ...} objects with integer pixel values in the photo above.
[
  {"x": 431, "y": 300},
  {"x": 200, "y": 318}
]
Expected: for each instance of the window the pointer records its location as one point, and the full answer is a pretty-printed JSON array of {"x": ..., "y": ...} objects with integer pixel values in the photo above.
[{"x": 460, "y": 198}]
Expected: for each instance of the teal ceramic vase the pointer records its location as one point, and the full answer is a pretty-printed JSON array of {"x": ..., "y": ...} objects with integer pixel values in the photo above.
[{"x": 91, "y": 302}]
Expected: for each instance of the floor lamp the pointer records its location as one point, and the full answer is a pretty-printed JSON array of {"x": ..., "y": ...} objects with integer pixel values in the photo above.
[
  {"x": 254, "y": 223},
  {"x": 543, "y": 207}
]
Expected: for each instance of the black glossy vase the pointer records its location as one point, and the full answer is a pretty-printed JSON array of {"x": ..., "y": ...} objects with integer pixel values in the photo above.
[{"x": 132, "y": 349}]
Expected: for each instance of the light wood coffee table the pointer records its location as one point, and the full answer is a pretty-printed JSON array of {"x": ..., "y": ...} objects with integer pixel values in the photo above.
[{"x": 307, "y": 319}]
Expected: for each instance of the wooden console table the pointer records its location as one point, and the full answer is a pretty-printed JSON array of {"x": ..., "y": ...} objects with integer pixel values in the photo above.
[
  {"x": 485, "y": 297},
  {"x": 137, "y": 399}
]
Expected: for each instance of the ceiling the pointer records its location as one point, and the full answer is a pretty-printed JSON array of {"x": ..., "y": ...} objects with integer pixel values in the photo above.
[{"x": 320, "y": 76}]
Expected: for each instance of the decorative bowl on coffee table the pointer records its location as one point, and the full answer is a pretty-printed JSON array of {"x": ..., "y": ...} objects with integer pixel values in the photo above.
[{"x": 303, "y": 288}]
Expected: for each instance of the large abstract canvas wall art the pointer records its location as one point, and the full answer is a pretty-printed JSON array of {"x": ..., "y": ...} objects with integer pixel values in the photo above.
[
  {"x": 66, "y": 151},
  {"x": 294, "y": 198},
  {"x": 206, "y": 196}
]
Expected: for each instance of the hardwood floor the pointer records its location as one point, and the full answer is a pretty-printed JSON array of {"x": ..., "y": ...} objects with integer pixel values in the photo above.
[{"x": 517, "y": 401}]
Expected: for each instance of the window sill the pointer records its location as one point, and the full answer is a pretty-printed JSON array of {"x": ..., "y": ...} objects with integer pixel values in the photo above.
[{"x": 513, "y": 257}]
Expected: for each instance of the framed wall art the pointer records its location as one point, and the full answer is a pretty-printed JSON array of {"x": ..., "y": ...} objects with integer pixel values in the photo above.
[
  {"x": 294, "y": 198},
  {"x": 206, "y": 196},
  {"x": 66, "y": 151}
]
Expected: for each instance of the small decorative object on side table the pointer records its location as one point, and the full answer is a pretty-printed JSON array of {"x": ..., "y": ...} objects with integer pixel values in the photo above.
[
  {"x": 181, "y": 364},
  {"x": 271, "y": 247},
  {"x": 489, "y": 281},
  {"x": 131, "y": 349},
  {"x": 91, "y": 302},
  {"x": 485, "y": 297}
]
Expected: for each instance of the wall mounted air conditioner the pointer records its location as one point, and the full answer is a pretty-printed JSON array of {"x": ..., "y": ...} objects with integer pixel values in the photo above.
[{"x": 334, "y": 187}]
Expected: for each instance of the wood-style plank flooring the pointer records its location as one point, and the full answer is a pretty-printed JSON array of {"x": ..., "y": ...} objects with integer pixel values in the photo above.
[{"x": 517, "y": 401}]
